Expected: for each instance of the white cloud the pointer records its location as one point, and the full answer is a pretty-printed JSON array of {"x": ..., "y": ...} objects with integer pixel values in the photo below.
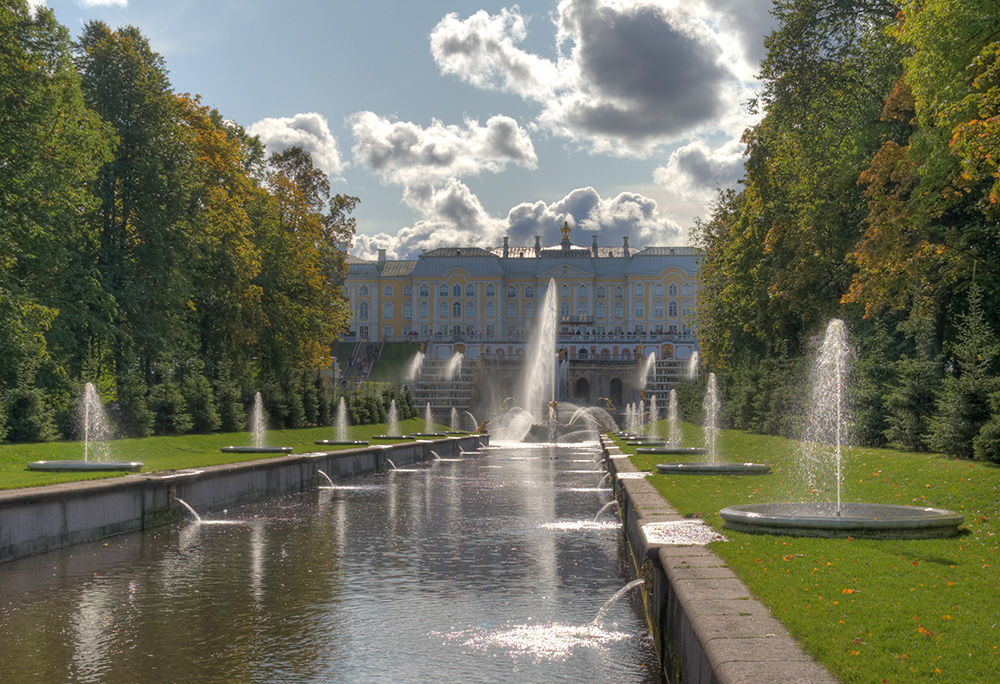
[
  {"x": 309, "y": 131},
  {"x": 630, "y": 76},
  {"x": 455, "y": 218},
  {"x": 405, "y": 153},
  {"x": 695, "y": 171},
  {"x": 99, "y": 3}
]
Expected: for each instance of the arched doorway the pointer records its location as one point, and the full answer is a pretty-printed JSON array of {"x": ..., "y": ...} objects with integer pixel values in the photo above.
[
  {"x": 616, "y": 393},
  {"x": 581, "y": 391}
]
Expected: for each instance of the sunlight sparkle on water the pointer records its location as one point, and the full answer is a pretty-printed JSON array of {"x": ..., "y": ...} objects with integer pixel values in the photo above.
[
  {"x": 580, "y": 525},
  {"x": 540, "y": 642}
]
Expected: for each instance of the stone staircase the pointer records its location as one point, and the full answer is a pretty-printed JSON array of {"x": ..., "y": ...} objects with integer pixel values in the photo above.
[
  {"x": 443, "y": 394},
  {"x": 667, "y": 374}
]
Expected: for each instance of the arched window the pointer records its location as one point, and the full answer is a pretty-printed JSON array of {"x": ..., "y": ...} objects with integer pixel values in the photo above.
[
  {"x": 564, "y": 309},
  {"x": 363, "y": 291},
  {"x": 529, "y": 310},
  {"x": 456, "y": 330},
  {"x": 425, "y": 290},
  {"x": 672, "y": 310},
  {"x": 619, "y": 291},
  {"x": 529, "y": 292},
  {"x": 640, "y": 309},
  {"x": 456, "y": 290},
  {"x": 491, "y": 290},
  {"x": 407, "y": 311},
  {"x": 443, "y": 290},
  {"x": 639, "y": 290},
  {"x": 470, "y": 290},
  {"x": 425, "y": 309},
  {"x": 658, "y": 290},
  {"x": 407, "y": 290},
  {"x": 602, "y": 292},
  {"x": 363, "y": 311},
  {"x": 491, "y": 309},
  {"x": 600, "y": 310},
  {"x": 511, "y": 311},
  {"x": 672, "y": 290},
  {"x": 658, "y": 308},
  {"x": 387, "y": 311},
  {"x": 470, "y": 309},
  {"x": 581, "y": 289},
  {"x": 582, "y": 308},
  {"x": 511, "y": 292},
  {"x": 686, "y": 289},
  {"x": 387, "y": 290},
  {"x": 619, "y": 310},
  {"x": 564, "y": 290},
  {"x": 456, "y": 310},
  {"x": 442, "y": 309}
]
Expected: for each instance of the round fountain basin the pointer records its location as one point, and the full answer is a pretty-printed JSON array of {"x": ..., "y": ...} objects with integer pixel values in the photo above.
[
  {"x": 672, "y": 450},
  {"x": 86, "y": 466},
  {"x": 255, "y": 450},
  {"x": 646, "y": 442},
  {"x": 341, "y": 442},
  {"x": 389, "y": 437},
  {"x": 713, "y": 468},
  {"x": 853, "y": 520},
  {"x": 427, "y": 434}
]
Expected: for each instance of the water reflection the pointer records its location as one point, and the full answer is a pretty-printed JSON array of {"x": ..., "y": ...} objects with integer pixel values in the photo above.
[{"x": 487, "y": 569}]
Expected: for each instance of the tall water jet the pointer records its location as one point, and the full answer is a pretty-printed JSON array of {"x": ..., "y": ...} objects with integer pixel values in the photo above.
[
  {"x": 710, "y": 423},
  {"x": 341, "y": 421},
  {"x": 414, "y": 367},
  {"x": 94, "y": 424},
  {"x": 537, "y": 387},
  {"x": 428, "y": 418},
  {"x": 393, "y": 418},
  {"x": 454, "y": 366},
  {"x": 673, "y": 418},
  {"x": 693, "y": 367},
  {"x": 95, "y": 432},
  {"x": 340, "y": 424},
  {"x": 826, "y": 436},
  {"x": 640, "y": 418},
  {"x": 647, "y": 367},
  {"x": 653, "y": 430},
  {"x": 828, "y": 417},
  {"x": 258, "y": 425},
  {"x": 258, "y": 428}
]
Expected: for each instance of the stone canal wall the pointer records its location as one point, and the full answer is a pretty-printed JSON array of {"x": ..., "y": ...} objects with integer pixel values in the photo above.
[
  {"x": 40, "y": 519},
  {"x": 707, "y": 626}
]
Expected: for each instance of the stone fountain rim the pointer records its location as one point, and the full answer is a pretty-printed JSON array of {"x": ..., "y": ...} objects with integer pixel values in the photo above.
[
  {"x": 734, "y": 468},
  {"x": 668, "y": 450},
  {"x": 899, "y": 521},
  {"x": 85, "y": 466},
  {"x": 256, "y": 450}
]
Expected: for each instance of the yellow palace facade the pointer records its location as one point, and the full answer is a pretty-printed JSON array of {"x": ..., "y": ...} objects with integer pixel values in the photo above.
[{"x": 614, "y": 303}]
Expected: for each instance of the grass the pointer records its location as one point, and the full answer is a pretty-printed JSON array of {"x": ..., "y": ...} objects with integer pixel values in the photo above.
[
  {"x": 170, "y": 453},
  {"x": 869, "y": 610},
  {"x": 391, "y": 365}
]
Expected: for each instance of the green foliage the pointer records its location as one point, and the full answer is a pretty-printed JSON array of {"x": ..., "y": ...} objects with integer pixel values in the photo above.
[
  {"x": 29, "y": 416},
  {"x": 133, "y": 416}
]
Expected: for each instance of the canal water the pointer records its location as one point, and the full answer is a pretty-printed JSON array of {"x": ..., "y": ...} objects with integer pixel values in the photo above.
[{"x": 491, "y": 568}]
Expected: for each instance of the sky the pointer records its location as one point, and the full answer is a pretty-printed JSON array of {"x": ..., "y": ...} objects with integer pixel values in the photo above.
[{"x": 457, "y": 123}]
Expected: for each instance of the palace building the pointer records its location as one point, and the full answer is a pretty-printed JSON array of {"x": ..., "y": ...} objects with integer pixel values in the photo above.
[{"x": 615, "y": 304}]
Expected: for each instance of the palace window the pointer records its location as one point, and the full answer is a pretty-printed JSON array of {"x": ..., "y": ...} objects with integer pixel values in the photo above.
[
  {"x": 686, "y": 289},
  {"x": 407, "y": 290},
  {"x": 639, "y": 290},
  {"x": 511, "y": 311},
  {"x": 425, "y": 290},
  {"x": 456, "y": 310},
  {"x": 600, "y": 310},
  {"x": 491, "y": 309},
  {"x": 529, "y": 310},
  {"x": 640, "y": 309},
  {"x": 407, "y": 311},
  {"x": 442, "y": 309},
  {"x": 602, "y": 292},
  {"x": 529, "y": 292},
  {"x": 658, "y": 309},
  {"x": 491, "y": 290},
  {"x": 363, "y": 291},
  {"x": 511, "y": 292},
  {"x": 658, "y": 290},
  {"x": 425, "y": 309},
  {"x": 672, "y": 290},
  {"x": 564, "y": 309},
  {"x": 619, "y": 291},
  {"x": 363, "y": 311},
  {"x": 582, "y": 308},
  {"x": 387, "y": 311},
  {"x": 619, "y": 310},
  {"x": 387, "y": 290},
  {"x": 443, "y": 290},
  {"x": 456, "y": 290},
  {"x": 470, "y": 310},
  {"x": 470, "y": 290},
  {"x": 672, "y": 310}
]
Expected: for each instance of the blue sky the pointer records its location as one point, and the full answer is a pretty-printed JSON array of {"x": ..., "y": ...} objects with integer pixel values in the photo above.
[{"x": 459, "y": 122}]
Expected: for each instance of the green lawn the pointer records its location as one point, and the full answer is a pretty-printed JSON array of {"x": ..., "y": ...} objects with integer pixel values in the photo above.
[
  {"x": 169, "y": 453},
  {"x": 392, "y": 364},
  {"x": 871, "y": 610}
]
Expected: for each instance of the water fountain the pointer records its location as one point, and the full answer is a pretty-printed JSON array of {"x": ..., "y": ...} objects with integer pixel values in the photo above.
[
  {"x": 539, "y": 376},
  {"x": 455, "y": 423},
  {"x": 414, "y": 367},
  {"x": 95, "y": 432},
  {"x": 454, "y": 366},
  {"x": 825, "y": 440},
  {"x": 392, "y": 418},
  {"x": 648, "y": 432},
  {"x": 428, "y": 424},
  {"x": 712, "y": 406},
  {"x": 673, "y": 419},
  {"x": 340, "y": 425},
  {"x": 258, "y": 429},
  {"x": 693, "y": 367}
]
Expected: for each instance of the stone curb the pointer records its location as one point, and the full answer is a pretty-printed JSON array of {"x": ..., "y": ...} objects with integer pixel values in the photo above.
[{"x": 707, "y": 626}]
